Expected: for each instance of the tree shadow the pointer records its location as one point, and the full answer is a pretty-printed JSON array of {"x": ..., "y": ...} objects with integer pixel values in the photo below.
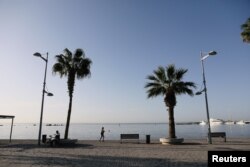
[
  {"x": 93, "y": 161},
  {"x": 34, "y": 146}
]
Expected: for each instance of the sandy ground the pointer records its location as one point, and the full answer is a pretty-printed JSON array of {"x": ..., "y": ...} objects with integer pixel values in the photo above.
[{"x": 192, "y": 153}]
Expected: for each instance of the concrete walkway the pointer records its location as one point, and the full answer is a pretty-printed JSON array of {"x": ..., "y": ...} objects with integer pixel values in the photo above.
[{"x": 193, "y": 153}]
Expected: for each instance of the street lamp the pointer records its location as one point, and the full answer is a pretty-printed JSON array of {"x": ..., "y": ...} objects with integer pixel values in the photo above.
[
  {"x": 43, "y": 92},
  {"x": 203, "y": 57}
]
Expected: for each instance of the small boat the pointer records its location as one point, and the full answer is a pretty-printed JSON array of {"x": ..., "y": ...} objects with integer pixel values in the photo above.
[
  {"x": 216, "y": 121},
  {"x": 241, "y": 122},
  {"x": 203, "y": 123},
  {"x": 229, "y": 122}
]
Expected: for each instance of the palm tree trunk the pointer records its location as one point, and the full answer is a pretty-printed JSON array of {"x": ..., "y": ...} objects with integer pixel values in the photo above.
[
  {"x": 71, "y": 83},
  {"x": 171, "y": 122},
  {"x": 68, "y": 118}
]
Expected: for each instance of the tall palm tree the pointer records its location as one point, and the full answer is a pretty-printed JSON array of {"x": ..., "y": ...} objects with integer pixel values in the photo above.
[
  {"x": 168, "y": 82},
  {"x": 246, "y": 31},
  {"x": 72, "y": 67}
]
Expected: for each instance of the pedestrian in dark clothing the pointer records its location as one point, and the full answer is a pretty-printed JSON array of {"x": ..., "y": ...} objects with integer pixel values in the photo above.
[{"x": 102, "y": 134}]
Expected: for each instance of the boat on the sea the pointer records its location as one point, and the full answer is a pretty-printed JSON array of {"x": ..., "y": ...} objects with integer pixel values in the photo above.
[
  {"x": 241, "y": 122},
  {"x": 229, "y": 122},
  {"x": 216, "y": 121},
  {"x": 54, "y": 124},
  {"x": 203, "y": 122}
]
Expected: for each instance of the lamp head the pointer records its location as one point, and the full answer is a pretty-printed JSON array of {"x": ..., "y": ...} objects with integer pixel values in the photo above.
[
  {"x": 50, "y": 94},
  {"x": 198, "y": 93},
  {"x": 37, "y": 54},
  {"x": 212, "y": 53}
]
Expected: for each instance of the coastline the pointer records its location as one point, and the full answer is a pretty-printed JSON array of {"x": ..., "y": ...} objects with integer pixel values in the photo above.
[
  {"x": 113, "y": 131},
  {"x": 111, "y": 153}
]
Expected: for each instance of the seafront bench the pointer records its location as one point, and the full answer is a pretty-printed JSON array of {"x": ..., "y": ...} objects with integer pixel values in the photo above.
[
  {"x": 129, "y": 136},
  {"x": 218, "y": 134}
]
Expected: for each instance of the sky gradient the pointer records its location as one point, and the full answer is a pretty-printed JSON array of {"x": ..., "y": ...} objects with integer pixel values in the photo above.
[{"x": 126, "y": 40}]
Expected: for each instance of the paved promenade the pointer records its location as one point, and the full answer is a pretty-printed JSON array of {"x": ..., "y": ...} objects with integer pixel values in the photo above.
[{"x": 193, "y": 153}]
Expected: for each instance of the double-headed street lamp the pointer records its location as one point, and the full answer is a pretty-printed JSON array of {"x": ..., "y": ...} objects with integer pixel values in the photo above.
[
  {"x": 203, "y": 57},
  {"x": 43, "y": 92}
]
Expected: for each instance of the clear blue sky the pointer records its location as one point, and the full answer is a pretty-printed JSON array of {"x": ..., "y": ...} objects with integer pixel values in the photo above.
[{"x": 126, "y": 40}]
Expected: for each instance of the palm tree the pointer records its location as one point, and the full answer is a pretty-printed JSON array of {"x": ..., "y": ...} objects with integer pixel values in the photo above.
[
  {"x": 246, "y": 31},
  {"x": 168, "y": 82},
  {"x": 72, "y": 67}
]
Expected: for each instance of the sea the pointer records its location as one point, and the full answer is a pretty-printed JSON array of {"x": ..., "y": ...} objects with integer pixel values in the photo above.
[{"x": 91, "y": 131}]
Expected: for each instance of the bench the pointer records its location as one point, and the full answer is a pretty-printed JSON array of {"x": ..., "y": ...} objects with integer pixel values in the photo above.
[
  {"x": 218, "y": 134},
  {"x": 129, "y": 136}
]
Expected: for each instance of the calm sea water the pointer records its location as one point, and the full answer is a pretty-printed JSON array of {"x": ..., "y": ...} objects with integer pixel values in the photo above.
[{"x": 113, "y": 131}]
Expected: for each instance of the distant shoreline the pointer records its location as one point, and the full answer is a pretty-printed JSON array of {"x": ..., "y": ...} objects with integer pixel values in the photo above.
[
  {"x": 181, "y": 122},
  {"x": 113, "y": 131}
]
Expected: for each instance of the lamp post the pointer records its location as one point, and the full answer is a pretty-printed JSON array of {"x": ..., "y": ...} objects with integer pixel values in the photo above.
[
  {"x": 43, "y": 92},
  {"x": 203, "y": 57}
]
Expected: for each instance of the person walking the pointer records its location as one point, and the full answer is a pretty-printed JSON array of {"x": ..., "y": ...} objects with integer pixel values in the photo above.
[{"x": 102, "y": 135}]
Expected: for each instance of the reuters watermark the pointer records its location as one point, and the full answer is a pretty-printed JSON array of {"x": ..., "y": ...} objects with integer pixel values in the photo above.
[{"x": 228, "y": 158}]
